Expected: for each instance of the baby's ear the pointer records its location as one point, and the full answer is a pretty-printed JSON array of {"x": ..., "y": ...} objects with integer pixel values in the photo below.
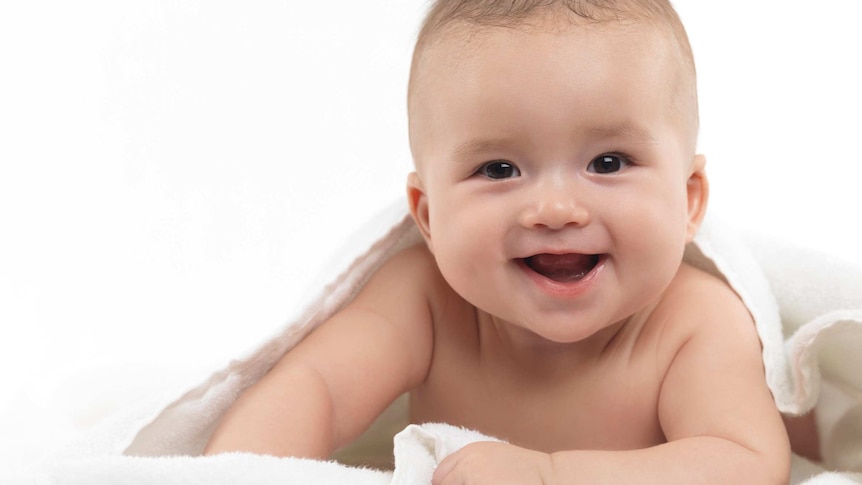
[
  {"x": 697, "y": 188},
  {"x": 419, "y": 206}
]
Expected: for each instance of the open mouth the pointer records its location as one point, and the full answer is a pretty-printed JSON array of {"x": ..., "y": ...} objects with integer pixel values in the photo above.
[{"x": 563, "y": 268}]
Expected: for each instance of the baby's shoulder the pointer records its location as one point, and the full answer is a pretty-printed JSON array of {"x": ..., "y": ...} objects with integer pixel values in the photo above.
[
  {"x": 697, "y": 302},
  {"x": 412, "y": 270},
  {"x": 695, "y": 289},
  {"x": 413, "y": 266}
]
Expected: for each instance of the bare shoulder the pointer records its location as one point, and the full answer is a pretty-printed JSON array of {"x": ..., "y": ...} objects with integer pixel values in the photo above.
[
  {"x": 401, "y": 290},
  {"x": 409, "y": 276},
  {"x": 415, "y": 260},
  {"x": 700, "y": 302},
  {"x": 700, "y": 306},
  {"x": 704, "y": 286},
  {"x": 715, "y": 363},
  {"x": 385, "y": 331}
]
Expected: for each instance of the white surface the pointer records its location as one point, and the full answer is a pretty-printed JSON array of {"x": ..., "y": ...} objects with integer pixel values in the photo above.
[{"x": 172, "y": 174}]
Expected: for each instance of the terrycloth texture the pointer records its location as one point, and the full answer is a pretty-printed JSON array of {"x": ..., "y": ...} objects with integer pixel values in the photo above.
[
  {"x": 418, "y": 449},
  {"x": 807, "y": 308}
]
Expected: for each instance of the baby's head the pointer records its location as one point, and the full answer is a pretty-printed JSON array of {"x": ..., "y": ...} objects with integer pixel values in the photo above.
[
  {"x": 556, "y": 179},
  {"x": 453, "y": 30}
]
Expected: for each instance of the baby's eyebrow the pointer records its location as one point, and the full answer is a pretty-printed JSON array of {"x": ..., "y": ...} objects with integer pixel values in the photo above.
[
  {"x": 478, "y": 145},
  {"x": 624, "y": 130}
]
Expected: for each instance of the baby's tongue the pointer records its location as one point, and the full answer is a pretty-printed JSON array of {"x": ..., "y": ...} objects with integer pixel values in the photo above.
[{"x": 562, "y": 267}]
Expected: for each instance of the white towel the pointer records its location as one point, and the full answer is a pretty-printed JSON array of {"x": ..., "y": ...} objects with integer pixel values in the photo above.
[{"x": 807, "y": 308}]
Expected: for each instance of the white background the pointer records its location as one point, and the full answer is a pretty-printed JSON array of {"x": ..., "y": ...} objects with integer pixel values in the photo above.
[{"x": 172, "y": 174}]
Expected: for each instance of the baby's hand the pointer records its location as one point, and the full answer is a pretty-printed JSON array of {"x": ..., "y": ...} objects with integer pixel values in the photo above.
[{"x": 492, "y": 463}]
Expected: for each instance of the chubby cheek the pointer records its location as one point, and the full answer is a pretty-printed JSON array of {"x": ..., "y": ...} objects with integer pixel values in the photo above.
[
  {"x": 652, "y": 237},
  {"x": 467, "y": 247},
  {"x": 464, "y": 269},
  {"x": 662, "y": 205}
]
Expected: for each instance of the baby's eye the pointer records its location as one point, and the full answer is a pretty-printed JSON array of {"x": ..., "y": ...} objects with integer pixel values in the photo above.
[
  {"x": 608, "y": 163},
  {"x": 498, "y": 169}
]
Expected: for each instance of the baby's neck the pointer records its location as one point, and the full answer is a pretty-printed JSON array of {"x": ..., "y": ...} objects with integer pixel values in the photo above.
[{"x": 504, "y": 342}]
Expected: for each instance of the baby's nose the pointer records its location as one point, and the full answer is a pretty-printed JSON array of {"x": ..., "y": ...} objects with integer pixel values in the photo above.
[{"x": 555, "y": 208}]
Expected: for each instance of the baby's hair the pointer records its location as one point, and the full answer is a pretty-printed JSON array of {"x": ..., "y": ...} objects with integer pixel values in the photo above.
[
  {"x": 520, "y": 14},
  {"x": 517, "y": 13}
]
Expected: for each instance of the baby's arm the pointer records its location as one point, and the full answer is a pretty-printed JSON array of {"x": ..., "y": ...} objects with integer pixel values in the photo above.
[
  {"x": 322, "y": 394},
  {"x": 716, "y": 412}
]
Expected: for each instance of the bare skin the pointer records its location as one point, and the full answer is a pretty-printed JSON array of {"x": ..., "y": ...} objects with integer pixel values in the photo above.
[
  {"x": 674, "y": 375},
  {"x": 555, "y": 191},
  {"x": 607, "y": 399}
]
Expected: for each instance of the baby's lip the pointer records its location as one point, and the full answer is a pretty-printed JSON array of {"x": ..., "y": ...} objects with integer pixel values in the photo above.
[{"x": 562, "y": 267}]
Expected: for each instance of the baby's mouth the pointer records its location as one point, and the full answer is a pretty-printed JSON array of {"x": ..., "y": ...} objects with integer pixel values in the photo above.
[{"x": 563, "y": 268}]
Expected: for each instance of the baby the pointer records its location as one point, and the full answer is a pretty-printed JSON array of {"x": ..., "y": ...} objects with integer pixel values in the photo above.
[{"x": 556, "y": 187}]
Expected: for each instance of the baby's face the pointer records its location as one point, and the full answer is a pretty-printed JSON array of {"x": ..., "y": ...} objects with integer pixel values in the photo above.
[{"x": 554, "y": 183}]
